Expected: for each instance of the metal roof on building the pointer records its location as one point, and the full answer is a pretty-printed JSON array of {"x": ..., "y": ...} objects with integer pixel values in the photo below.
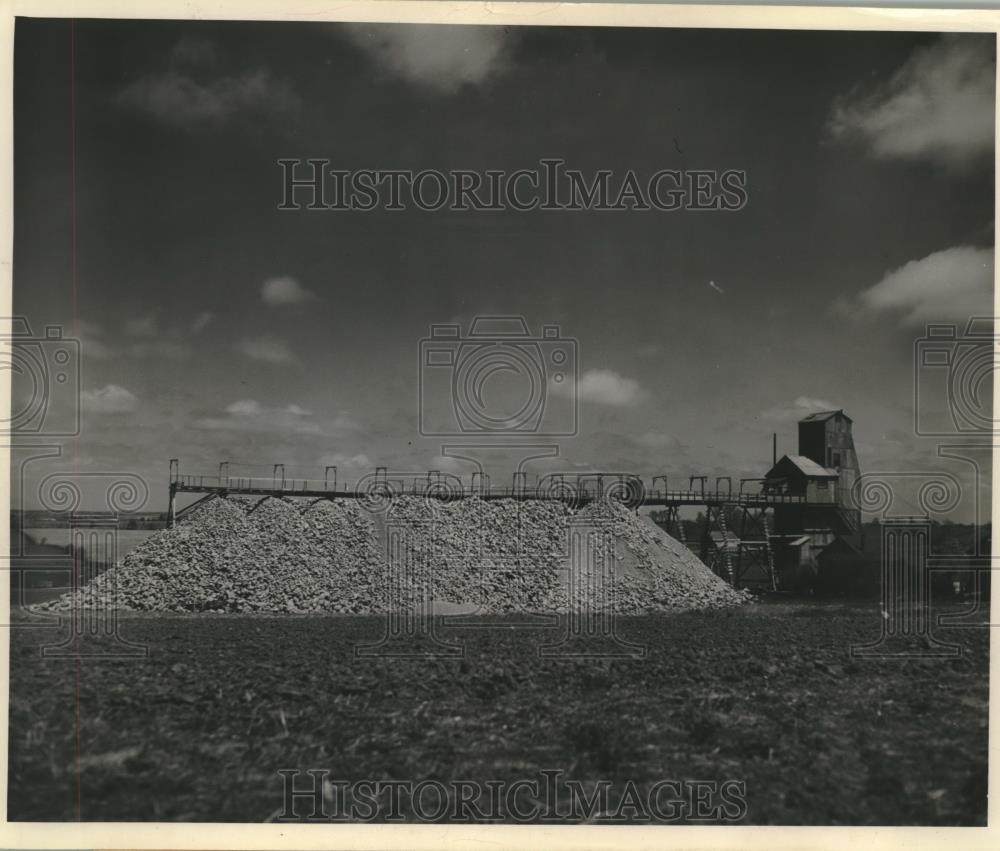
[
  {"x": 810, "y": 467},
  {"x": 807, "y": 467}
]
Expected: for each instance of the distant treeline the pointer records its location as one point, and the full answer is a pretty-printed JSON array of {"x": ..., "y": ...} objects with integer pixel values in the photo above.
[
  {"x": 38, "y": 519},
  {"x": 947, "y": 538}
]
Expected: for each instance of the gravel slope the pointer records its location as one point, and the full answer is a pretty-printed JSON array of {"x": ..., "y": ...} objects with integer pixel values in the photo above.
[{"x": 288, "y": 555}]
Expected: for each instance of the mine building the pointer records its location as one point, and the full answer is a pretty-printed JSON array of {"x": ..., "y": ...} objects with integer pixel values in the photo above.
[
  {"x": 824, "y": 472},
  {"x": 850, "y": 565},
  {"x": 826, "y": 438},
  {"x": 798, "y": 475}
]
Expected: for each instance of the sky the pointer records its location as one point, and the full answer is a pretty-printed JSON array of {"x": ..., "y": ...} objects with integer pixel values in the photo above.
[{"x": 215, "y": 326}]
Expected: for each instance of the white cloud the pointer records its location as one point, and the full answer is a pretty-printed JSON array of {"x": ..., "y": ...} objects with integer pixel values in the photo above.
[
  {"x": 342, "y": 460},
  {"x": 202, "y": 321},
  {"x": 150, "y": 341},
  {"x": 649, "y": 350},
  {"x": 91, "y": 337},
  {"x": 143, "y": 326},
  {"x": 938, "y": 105},
  {"x": 437, "y": 57},
  {"x": 454, "y": 466},
  {"x": 244, "y": 408},
  {"x": 344, "y": 422},
  {"x": 251, "y": 415},
  {"x": 812, "y": 404},
  {"x": 800, "y": 407},
  {"x": 191, "y": 92},
  {"x": 110, "y": 399},
  {"x": 163, "y": 349},
  {"x": 175, "y": 98},
  {"x": 603, "y": 387},
  {"x": 265, "y": 349},
  {"x": 284, "y": 290},
  {"x": 657, "y": 440},
  {"x": 949, "y": 285}
]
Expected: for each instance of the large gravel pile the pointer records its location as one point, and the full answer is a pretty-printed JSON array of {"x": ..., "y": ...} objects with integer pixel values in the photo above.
[
  {"x": 287, "y": 555},
  {"x": 648, "y": 569}
]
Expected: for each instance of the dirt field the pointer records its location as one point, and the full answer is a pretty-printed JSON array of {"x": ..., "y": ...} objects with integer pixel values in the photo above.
[{"x": 767, "y": 695}]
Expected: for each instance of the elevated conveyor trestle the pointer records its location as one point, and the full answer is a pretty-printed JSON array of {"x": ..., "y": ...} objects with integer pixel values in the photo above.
[{"x": 743, "y": 556}]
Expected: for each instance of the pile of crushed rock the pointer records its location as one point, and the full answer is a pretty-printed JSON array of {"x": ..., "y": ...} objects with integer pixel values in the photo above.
[{"x": 492, "y": 557}]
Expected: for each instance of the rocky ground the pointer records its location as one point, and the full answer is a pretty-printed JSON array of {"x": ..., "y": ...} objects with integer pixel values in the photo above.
[
  {"x": 766, "y": 695},
  {"x": 344, "y": 556}
]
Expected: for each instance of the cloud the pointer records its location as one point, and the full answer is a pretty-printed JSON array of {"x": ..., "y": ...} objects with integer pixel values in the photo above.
[
  {"x": 657, "y": 440},
  {"x": 110, "y": 399},
  {"x": 801, "y": 406},
  {"x": 150, "y": 341},
  {"x": 650, "y": 350},
  {"x": 250, "y": 415},
  {"x": 342, "y": 460},
  {"x": 143, "y": 326},
  {"x": 603, "y": 387},
  {"x": 939, "y": 105},
  {"x": 436, "y": 57},
  {"x": 91, "y": 337},
  {"x": 202, "y": 321},
  {"x": 164, "y": 349},
  {"x": 453, "y": 466},
  {"x": 284, "y": 290},
  {"x": 170, "y": 346},
  {"x": 177, "y": 100},
  {"x": 244, "y": 408},
  {"x": 949, "y": 285},
  {"x": 265, "y": 349},
  {"x": 344, "y": 422},
  {"x": 194, "y": 52},
  {"x": 184, "y": 96}
]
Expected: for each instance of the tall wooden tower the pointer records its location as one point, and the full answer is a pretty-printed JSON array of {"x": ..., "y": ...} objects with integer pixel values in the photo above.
[
  {"x": 826, "y": 438},
  {"x": 824, "y": 471}
]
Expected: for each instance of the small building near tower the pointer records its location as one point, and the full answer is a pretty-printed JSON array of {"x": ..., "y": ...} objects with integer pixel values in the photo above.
[
  {"x": 801, "y": 531},
  {"x": 797, "y": 475},
  {"x": 823, "y": 475}
]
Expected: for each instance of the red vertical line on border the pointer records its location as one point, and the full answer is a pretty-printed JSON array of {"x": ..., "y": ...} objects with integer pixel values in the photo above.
[{"x": 73, "y": 296}]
